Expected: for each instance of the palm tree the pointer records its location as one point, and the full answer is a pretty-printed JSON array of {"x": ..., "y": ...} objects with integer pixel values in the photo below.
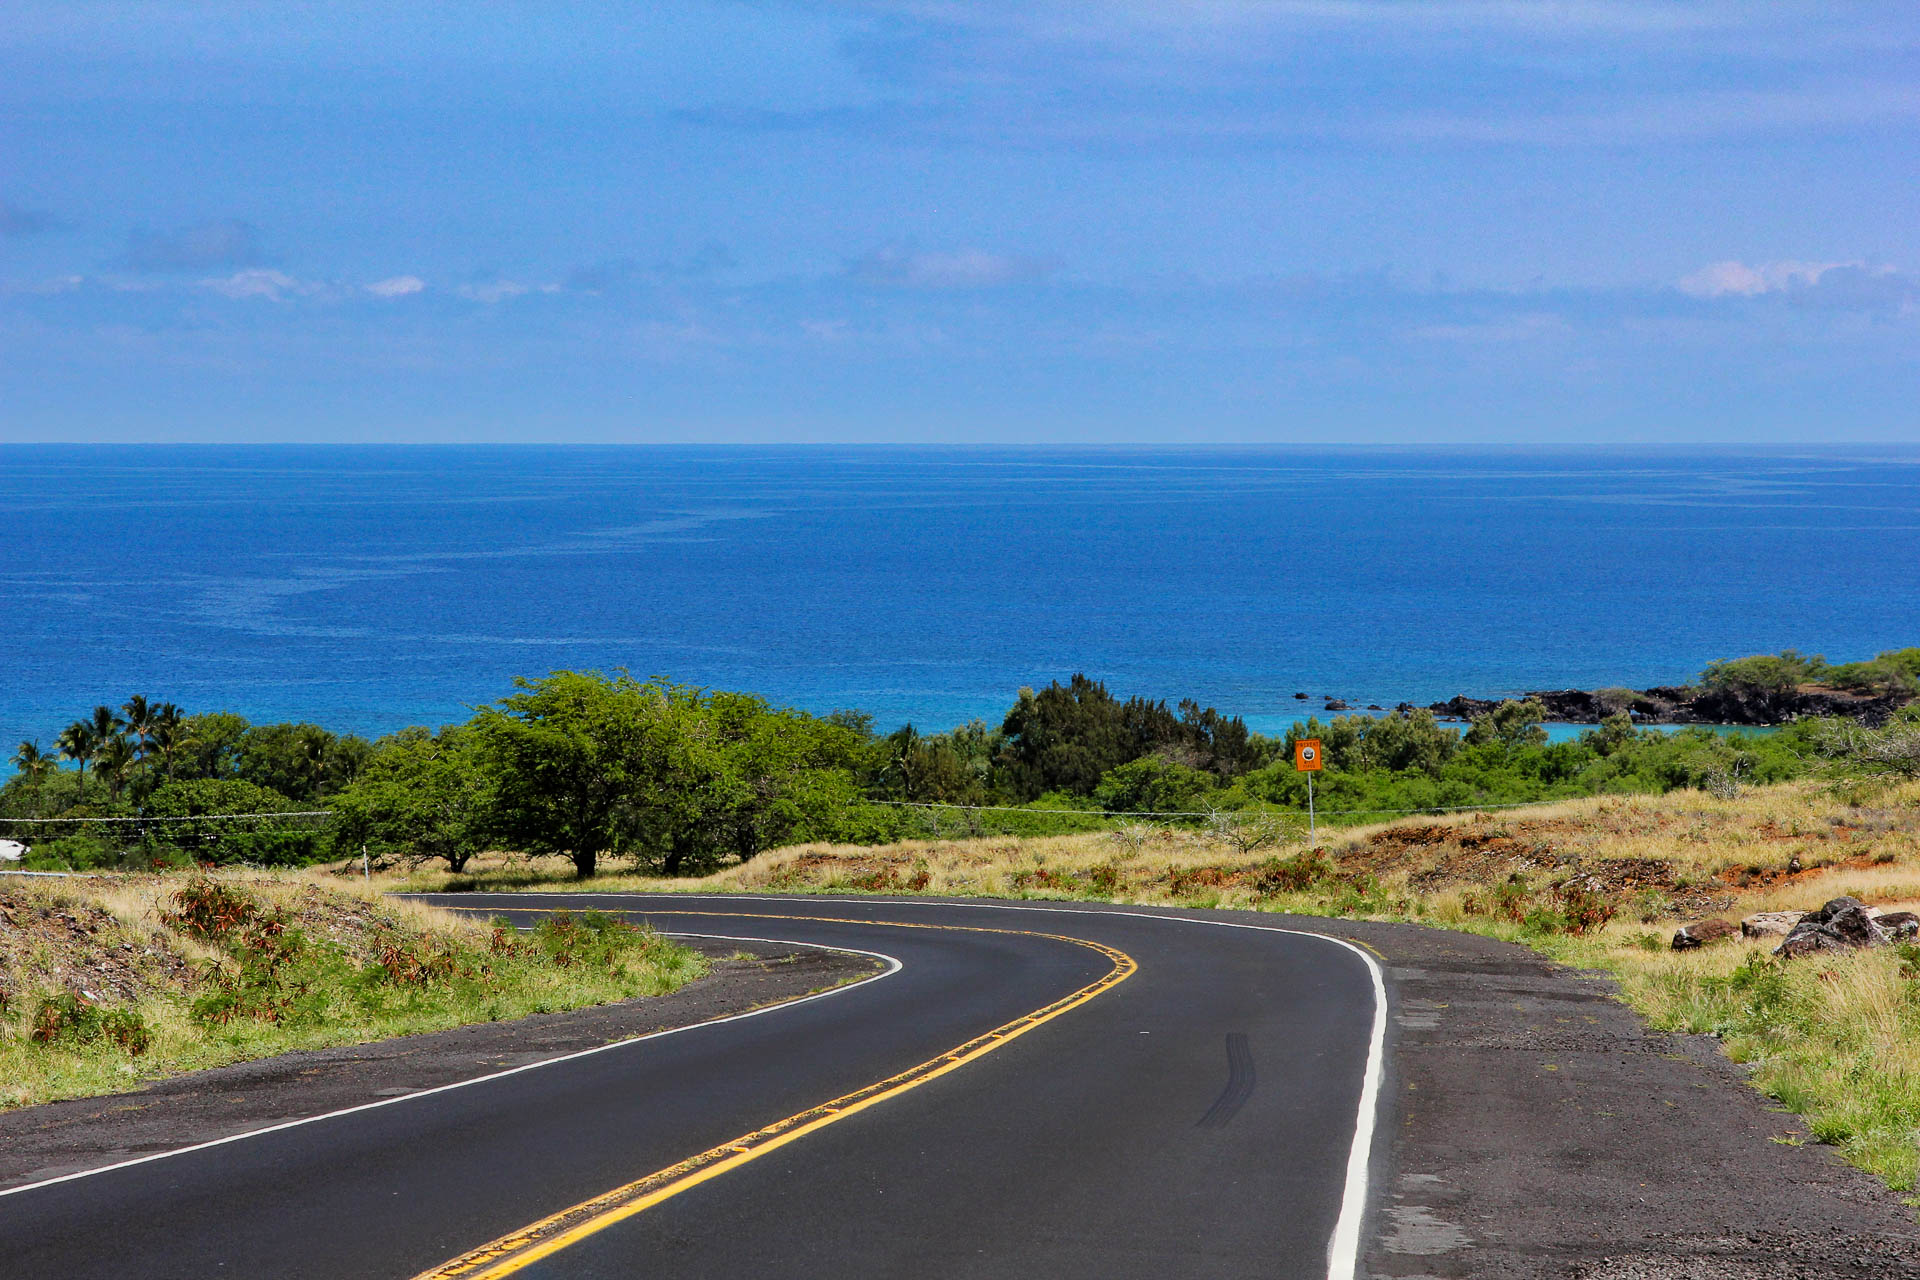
[
  {"x": 165, "y": 740},
  {"x": 112, "y": 760},
  {"x": 32, "y": 761},
  {"x": 105, "y": 724},
  {"x": 78, "y": 744},
  {"x": 34, "y": 765},
  {"x": 139, "y": 717}
]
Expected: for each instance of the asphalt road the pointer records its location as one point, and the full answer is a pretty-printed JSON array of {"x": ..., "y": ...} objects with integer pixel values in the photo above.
[{"x": 1194, "y": 1117}]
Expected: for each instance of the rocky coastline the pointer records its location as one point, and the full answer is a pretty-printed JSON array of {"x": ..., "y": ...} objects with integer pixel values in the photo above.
[{"x": 1684, "y": 704}]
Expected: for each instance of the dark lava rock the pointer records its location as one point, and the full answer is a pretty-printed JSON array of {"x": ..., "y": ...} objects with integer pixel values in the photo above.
[
  {"x": 1899, "y": 925},
  {"x": 1683, "y": 704},
  {"x": 1841, "y": 925},
  {"x": 1701, "y": 932},
  {"x": 1301, "y": 696},
  {"x": 1338, "y": 704}
]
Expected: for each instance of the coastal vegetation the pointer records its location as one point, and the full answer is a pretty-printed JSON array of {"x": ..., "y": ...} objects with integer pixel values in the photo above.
[
  {"x": 659, "y": 777},
  {"x": 1591, "y": 850},
  {"x": 108, "y": 982}
]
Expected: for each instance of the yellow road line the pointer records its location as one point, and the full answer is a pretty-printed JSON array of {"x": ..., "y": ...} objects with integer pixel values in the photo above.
[{"x": 522, "y": 1248}]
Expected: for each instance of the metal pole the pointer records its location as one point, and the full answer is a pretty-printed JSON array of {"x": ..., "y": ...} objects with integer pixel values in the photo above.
[{"x": 1313, "y": 837}]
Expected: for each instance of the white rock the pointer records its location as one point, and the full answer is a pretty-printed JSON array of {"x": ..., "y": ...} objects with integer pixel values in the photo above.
[{"x": 1770, "y": 924}]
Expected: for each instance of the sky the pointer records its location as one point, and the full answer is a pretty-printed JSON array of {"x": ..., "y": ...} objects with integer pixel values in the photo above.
[{"x": 1326, "y": 221}]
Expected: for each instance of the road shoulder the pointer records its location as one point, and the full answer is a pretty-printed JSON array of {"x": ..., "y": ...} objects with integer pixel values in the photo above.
[
  {"x": 61, "y": 1138},
  {"x": 1535, "y": 1127}
]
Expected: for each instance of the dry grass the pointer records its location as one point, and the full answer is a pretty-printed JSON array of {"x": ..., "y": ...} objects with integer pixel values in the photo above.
[
  {"x": 1686, "y": 854},
  {"x": 130, "y": 985},
  {"x": 1836, "y": 1039}
]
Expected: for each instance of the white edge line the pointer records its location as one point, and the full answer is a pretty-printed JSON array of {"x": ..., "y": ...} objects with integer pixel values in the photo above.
[
  {"x": 893, "y": 966},
  {"x": 1343, "y": 1249}
]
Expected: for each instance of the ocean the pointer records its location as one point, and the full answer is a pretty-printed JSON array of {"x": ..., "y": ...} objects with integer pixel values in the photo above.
[{"x": 372, "y": 588}]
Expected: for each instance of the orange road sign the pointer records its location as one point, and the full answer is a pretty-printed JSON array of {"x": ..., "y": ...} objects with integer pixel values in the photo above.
[{"x": 1306, "y": 755}]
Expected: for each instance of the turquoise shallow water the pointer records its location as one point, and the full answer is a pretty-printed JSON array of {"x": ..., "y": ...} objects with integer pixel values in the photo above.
[{"x": 372, "y": 588}]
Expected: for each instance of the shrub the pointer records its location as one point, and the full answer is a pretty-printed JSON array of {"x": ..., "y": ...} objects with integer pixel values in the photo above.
[
  {"x": 264, "y": 949},
  {"x": 1511, "y": 900},
  {"x": 211, "y": 912},
  {"x": 412, "y": 963},
  {"x": 70, "y": 1019},
  {"x": 1583, "y": 908},
  {"x": 1297, "y": 874},
  {"x": 1765, "y": 672},
  {"x": 592, "y": 938}
]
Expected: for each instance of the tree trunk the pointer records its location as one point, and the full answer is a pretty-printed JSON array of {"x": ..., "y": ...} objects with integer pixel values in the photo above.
[
  {"x": 677, "y": 855},
  {"x": 583, "y": 862}
]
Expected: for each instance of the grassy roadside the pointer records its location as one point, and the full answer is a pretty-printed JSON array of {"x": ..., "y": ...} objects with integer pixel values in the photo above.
[
  {"x": 107, "y": 983},
  {"x": 1599, "y": 884}
]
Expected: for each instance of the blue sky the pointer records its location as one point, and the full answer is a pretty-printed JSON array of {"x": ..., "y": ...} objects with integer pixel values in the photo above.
[{"x": 1324, "y": 220}]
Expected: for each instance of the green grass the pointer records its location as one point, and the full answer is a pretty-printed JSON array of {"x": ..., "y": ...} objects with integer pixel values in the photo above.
[
  {"x": 1835, "y": 1039},
  {"x": 229, "y": 970}
]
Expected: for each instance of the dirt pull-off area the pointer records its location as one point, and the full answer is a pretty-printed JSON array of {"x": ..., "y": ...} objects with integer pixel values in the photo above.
[
  {"x": 1536, "y": 1128},
  {"x": 67, "y": 1137}
]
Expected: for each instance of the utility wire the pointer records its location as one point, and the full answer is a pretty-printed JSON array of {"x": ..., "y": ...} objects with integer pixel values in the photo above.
[
  {"x": 1207, "y": 813},
  {"x": 192, "y": 817}
]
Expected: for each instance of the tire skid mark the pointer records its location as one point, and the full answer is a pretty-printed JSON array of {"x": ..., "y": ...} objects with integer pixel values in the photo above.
[{"x": 1240, "y": 1081}]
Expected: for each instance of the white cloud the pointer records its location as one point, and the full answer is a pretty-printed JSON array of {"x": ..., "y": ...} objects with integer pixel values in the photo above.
[
  {"x": 1719, "y": 279},
  {"x": 257, "y": 282},
  {"x": 957, "y": 269},
  {"x": 396, "y": 286},
  {"x": 493, "y": 291}
]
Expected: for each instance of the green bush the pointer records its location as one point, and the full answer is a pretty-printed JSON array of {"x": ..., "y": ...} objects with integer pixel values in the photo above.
[
  {"x": 1153, "y": 784},
  {"x": 70, "y": 1020},
  {"x": 1764, "y": 672}
]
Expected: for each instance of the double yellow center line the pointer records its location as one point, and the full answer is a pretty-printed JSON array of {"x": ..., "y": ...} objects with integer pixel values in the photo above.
[{"x": 522, "y": 1248}]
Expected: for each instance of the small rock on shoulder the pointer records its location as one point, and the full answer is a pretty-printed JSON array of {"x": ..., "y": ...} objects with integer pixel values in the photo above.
[{"x": 1701, "y": 932}]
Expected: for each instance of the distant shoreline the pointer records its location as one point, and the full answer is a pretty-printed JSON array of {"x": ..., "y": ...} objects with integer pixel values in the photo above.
[{"x": 1688, "y": 705}]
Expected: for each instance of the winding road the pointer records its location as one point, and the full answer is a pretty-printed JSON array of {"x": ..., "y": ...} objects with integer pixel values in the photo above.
[{"x": 1024, "y": 1090}]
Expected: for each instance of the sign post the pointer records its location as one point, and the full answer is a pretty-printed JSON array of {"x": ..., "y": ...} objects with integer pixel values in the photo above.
[{"x": 1306, "y": 759}]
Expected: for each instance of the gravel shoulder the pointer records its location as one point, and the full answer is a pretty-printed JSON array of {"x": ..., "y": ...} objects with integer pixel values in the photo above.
[
  {"x": 1536, "y": 1128},
  {"x": 85, "y": 1133}
]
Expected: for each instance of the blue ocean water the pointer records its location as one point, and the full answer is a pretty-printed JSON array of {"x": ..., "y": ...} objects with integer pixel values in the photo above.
[{"x": 370, "y": 588}]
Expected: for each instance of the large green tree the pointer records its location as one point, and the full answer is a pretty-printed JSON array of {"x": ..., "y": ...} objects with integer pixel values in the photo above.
[
  {"x": 421, "y": 795},
  {"x": 591, "y": 766},
  {"x": 572, "y": 753}
]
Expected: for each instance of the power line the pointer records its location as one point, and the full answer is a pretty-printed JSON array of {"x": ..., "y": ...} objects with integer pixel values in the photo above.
[
  {"x": 191, "y": 817},
  {"x": 1208, "y": 813}
]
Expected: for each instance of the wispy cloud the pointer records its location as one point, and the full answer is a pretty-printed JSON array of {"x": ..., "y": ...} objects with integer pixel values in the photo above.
[
  {"x": 205, "y": 245},
  {"x": 396, "y": 286},
  {"x": 501, "y": 290},
  {"x": 1718, "y": 279},
  {"x": 1844, "y": 286},
  {"x": 274, "y": 286},
  {"x": 953, "y": 269}
]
